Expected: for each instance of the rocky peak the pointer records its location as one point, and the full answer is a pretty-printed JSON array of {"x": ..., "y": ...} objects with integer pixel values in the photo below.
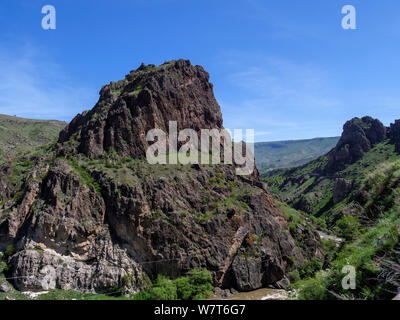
[
  {"x": 149, "y": 97},
  {"x": 358, "y": 136}
]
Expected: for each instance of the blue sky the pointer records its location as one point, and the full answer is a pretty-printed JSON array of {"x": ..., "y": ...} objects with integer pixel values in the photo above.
[{"x": 285, "y": 68}]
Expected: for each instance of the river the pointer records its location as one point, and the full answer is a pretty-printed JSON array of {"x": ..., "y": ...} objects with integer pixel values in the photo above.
[{"x": 260, "y": 294}]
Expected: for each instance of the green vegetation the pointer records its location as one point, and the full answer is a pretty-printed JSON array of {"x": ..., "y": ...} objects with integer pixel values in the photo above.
[
  {"x": 372, "y": 244},
  {"x": 196, "y": 285},
  {"x": 131, "y": 172},
  {"x": 18, "y": 135},
  {"x": 310, "y": 267},
  {"x": 305, "y": 184},
  {"x": 9, "y": 250},
  {"x": 367, "y": 217},
  {"x": 380, "y": 153},
  {"x": 370, "y": 255},
  {"x": 85, "y": 175}
]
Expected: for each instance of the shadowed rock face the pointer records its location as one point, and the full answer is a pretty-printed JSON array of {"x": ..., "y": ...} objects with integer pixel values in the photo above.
[
  {"x": 358, "y": 136},
  {"x": 394, "y": 134},
  {"x": 113, "y": 217},
  {"x": 147, "y": 98}
]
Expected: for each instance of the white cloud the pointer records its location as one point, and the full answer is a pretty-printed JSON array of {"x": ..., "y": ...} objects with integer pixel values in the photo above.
[
  {"x": 282, "y": 84},
  {"x": 291, "y": 100}
]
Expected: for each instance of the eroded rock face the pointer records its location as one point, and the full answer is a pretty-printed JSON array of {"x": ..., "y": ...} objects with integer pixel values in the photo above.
[
  {"x": 358, "y": 136},
  {"x": 155, "y": 223},
  {"x": 107, "y": 265},
  {"x": 341, "y": 190},
  {"x": 307, "y": 202},
  {"x": 147, "y": 98},
  {"x": 101, "y": 221}
]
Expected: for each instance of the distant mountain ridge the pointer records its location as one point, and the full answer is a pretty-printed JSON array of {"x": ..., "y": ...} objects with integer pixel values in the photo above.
[{"x": 291, "y": 153}]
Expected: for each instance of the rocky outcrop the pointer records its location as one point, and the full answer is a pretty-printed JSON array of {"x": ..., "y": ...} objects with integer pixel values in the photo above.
[
  {"x": 394, "y": 134},
  {"x": 39, "y": 268},
  {"x": 96, "y": 223},
  {"x": 247, "y": 274},
  {"x": 155, "y": 223},
  {"x": 358, "y": 136},
  {"x": 341, "y": 190},
  {"x": 147, "y": 98},
  {"x": 307, "y": 202},
  {"x": 5, "y": 287}
]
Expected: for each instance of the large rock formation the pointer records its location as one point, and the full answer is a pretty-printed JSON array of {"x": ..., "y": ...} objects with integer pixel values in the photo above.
[
  {"x": 147, "y": 98},
  {"x": 96, "y": 214},
  {"x": 358, "y": 136}
]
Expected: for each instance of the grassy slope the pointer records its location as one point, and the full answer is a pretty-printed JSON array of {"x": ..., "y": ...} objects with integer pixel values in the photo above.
[
  {"x": 20, "y": 135},
  {"x": 293, "y": 184},
  {"x": 285, "y": 154},
  {"x": 370, "y": 226},
  {"x": 374, "y": 248}
]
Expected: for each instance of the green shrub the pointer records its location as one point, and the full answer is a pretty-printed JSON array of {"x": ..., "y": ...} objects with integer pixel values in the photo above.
[
  {"x": 365, "y": 255},
  {"x": 310, "y": 268},
  {"x": 348, "y": 227},
  {"x": 9, "y": 251},
  {"x": 85, "y": 176},
  {"x": 294, "y": 276},
  {"x": 195, "y": 286},
  {"x": 164, "y": 289},
  {"x": 314, "y": 288},
  {"x": 127, "y": 280}
]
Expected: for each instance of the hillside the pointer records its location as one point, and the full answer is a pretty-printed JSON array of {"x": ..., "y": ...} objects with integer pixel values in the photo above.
[
  {"x": 291, "y": 153},
  {"x": 321, "y": 184},
  {"x": 353, "y": 191},
  {"x": 20, "y": 135}
]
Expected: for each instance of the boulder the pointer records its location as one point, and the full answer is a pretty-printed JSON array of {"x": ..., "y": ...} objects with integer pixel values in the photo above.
[{"x": 5, "y": 286}]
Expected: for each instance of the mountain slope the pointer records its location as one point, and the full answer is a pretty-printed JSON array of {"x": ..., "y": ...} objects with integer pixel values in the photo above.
[
  {"x": 291, "y": 153},
  {"x": 370, "y": 222},
  {"x": 318, "y": 186},
  {"x": 354, "y": 192},
  {"x": 19, "y": 134}
]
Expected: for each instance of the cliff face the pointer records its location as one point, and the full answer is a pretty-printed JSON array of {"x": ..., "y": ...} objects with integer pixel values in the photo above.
[
  {"x": 358, "y": 137},
  {"x": 96, "y": 213},
  {"x": 147, "y": 98}
]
